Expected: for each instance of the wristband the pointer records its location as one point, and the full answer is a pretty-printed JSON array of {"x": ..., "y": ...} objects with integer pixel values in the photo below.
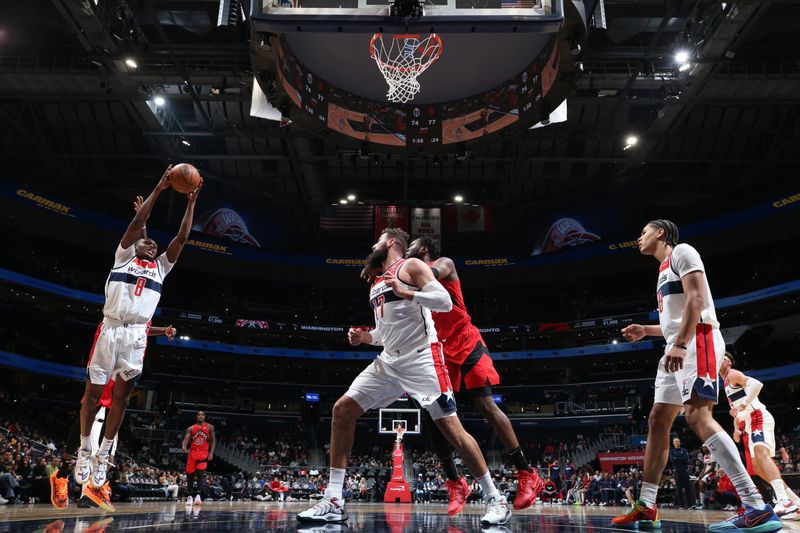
[{"x": 681, "y": 346}]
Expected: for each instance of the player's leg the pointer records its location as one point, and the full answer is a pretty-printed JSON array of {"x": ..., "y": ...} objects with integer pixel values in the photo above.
[{"x": 768, "y": 471}]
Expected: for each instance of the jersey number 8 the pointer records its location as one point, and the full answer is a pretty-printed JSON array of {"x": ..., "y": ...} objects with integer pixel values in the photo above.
[{"x": 140, "y": 283}]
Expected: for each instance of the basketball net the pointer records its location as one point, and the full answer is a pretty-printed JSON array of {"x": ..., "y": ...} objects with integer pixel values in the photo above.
[
  {"x": 401, "y": 58},
  {"x": 398, "y": 440}
]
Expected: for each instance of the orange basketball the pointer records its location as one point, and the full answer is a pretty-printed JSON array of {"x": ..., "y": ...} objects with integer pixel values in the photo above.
[{"x": 184, "y": 178}]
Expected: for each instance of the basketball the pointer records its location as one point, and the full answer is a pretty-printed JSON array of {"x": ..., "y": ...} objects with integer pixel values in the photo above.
[{"x": 184, "y": 178}]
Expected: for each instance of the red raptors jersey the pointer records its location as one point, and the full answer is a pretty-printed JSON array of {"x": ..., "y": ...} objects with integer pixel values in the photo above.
[
  {"x": 200, "y": 436},
  {"x": 454, "y": 321}
]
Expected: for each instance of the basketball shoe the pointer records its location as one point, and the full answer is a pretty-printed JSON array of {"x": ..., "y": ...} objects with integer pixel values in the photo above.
[
  {"x": 98, "y": 496},
  {"x": 59, "y": 491},
  {"x": 83, "y": 467},
  {"x": 750, "y": 520},
  {"x": 786, "y": 510},
  {"x": 530, "y": 485},
  {"x": 459, "y": 491},
  {"x": 497, "y": 513},
  {"x": 328, "y": 509},
  {"x": 639, "y": 516}
]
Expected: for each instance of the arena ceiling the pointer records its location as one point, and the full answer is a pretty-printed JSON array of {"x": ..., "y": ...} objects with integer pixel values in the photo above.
[{"x": 78, "y": 120}]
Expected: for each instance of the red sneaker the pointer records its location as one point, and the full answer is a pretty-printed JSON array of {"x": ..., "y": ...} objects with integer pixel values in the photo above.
[
  {"x": 530, "y": 485},
  {"x": 459, "y": 491},
  {"x": 639, "y": 516}
]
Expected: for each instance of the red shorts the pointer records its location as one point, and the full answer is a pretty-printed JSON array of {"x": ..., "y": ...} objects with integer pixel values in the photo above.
[
  {"x": 197, "y": 460},
  {"x": 468, "y": 359}
]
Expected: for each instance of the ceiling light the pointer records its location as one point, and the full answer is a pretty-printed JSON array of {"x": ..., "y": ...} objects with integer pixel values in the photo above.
[
  {"x": 351, "y": 197},
  {"x": 681, "y": 56},
  {"x": 631, "y": 140},
  {"x": 185, "y": 142},
  {"x": 458, "y": 198},
  {"x": 684, "y": 67},
  {"x": 343, "y": 201},
  {"x": 159, "y": 101},
  {"x": 131, "y": 63}
]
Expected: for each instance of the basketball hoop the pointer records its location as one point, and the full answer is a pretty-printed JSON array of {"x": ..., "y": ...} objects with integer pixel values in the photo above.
[{"x": 401, "y": 58}]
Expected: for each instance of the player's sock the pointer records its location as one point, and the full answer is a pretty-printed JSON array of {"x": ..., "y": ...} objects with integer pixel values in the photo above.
[
  {"x": 86, "y": 444},
  {"x": 105, "y": 447},
  {"x": 449, "y": 466},
  {"x": 63, "y": 470},
  {"x": 520, "y": 461},
  {"x": 489, "y": 490},
  {"x": 648, "y": 494},
  {"x": 336, "y": 481},
  {"x": 724, "y": 451},
  {"x": 780, "y": 491}
]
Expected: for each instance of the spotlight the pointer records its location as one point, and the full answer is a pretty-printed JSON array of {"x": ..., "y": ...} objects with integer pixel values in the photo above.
[
  {"x": 631, "y": 140},
  {"x": 185, "y": 142},
  {"x": 351, "y": 197},
  {"x": 343, "y": 201},
  {"x": 579, "y": 66},
  {"x": 159, "y": 101},
  {"x": 681, "y": 56},
  {"x": 131, "y": 63},
  {"x": 615, "y": 341},
  {"x": 458, "y": 198}
]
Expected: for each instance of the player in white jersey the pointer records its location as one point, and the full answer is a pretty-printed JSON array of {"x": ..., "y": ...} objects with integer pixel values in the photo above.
[
  {"x": 701, "y": 484},
  {"x": 402, "y": 299},
  {"x": 742, "y": 392},
  {"x": 686, "y": 380},
  {"x": 133, "y": 289}
]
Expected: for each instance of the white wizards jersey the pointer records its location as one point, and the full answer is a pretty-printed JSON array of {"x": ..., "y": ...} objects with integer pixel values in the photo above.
[
  {"x": 133, "y": 288},
  {"x": 737, "y": 396},
  {"x": 683, "y": 260},
  {"x": 404, "y": 325}
]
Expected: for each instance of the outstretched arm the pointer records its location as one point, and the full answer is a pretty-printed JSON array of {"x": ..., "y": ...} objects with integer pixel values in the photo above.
[
  {"x": 176, "y": 246},
  {"x": 168, "y": 331},
  {"x": 635, "y": 332},
  {"x": 137, "y": 204},
  {"x": 136, "y": 226}
]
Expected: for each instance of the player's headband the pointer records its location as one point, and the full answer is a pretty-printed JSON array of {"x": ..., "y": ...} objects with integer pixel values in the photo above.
[{"x": 670, "y": 230}]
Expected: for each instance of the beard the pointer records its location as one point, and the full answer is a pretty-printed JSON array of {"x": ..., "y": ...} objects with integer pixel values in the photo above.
[{"x": 377, "y": 258}]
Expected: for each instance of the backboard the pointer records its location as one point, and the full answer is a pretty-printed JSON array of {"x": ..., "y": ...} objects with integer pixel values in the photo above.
[{"x": 389, "y": 419}]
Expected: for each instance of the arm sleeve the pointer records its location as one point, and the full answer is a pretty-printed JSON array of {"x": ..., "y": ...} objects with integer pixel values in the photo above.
[
  {"x": 686, "y": 260},
  {"x": 377, "y": 338},
  {"x": 164, "y": 263},
  {"x": 123, "y": 255},
  {"x": 752, "y": 387},
  {"x": 434, "y": 296}
]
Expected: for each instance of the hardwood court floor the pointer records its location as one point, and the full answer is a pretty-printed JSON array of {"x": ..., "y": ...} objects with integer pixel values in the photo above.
[{"x": 280, "y": 517}]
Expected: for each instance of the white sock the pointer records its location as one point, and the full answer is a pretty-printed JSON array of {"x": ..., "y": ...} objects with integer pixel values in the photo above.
[
  {"x": 86, "y": 444},
  {"x": 792, "y": 496},
  {"x": 489, "y": 490},
  {"x": 336, "y": 482},
  {"x": 105, "y": 447},
  {"x": 780, "y": 491},
  {"x": 724, "y": 451},
  {"x": 648, "y": 494}
]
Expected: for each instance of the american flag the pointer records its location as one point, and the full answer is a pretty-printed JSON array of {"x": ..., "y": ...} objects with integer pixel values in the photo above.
[
  {"x": 346, "y": 217},
  {"x": 515, "y": 4}
]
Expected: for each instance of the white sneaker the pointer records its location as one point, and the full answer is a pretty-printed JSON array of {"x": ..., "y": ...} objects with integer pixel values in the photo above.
[
  {"x": 189, "y": 501},
  {"x": 3, "y": 501},
  {"x": 328, "y": 509},
  {"x": 497, "y": 512},
  {"x": 83, "y": 468},
  {"x": 786, "y": 510},
  {"x": 197, "y": 500},
  {"x": 100, "y": 466}
]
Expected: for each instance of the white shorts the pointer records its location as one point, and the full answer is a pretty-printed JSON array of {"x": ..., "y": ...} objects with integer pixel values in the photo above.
[
  {"x": 421, "y": 373},
  {"x": 118, "y": 351},
  {"x": 700, "y": 371},
  {"x": 760, "y": 428},
  {"x": 96, "y": 435}
]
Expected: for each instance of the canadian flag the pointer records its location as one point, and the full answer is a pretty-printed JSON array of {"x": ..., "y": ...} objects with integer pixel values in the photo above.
[{"x": 470, "y": 218}]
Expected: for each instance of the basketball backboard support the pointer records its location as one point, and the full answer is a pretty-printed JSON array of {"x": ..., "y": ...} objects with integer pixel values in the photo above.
[
  {"x": 439, "y": 16},
  {"x": 389, "y": 419}
]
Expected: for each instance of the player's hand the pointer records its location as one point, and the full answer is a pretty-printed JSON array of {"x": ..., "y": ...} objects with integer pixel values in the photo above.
[
  {"x": 634, "y": 332},
  {"x": 163, "y": 183},
  {"x": 396, "y": 285},
  {"x": 674, "y": 360},
  {"x": 369, "y": 273},
  {"x": 170, "y": 332},
  {"x": 736, "y": 412},
  {"x": 184, "y": 450},
  {"x": 192, "y": 196},
  {"x": 137, "y": 204},
  {"x": 356, "y": 336},
  {"x": 210, "y": 457}
]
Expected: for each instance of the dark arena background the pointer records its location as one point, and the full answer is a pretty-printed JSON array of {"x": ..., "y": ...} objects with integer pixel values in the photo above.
[{"x": 543, "y": 137}]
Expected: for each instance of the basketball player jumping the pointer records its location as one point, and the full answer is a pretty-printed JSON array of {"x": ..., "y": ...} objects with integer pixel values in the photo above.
[
  {"x": 468, "y": 360},
  {"x": 687, "y": 380},
  {"x": 133, "y": 289},
  {"x": 203, "y": 441},
  {"x": 759, "y": 425},
  {"x": 59, "y": 485},
  {"x": 402, "y": 299}
]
